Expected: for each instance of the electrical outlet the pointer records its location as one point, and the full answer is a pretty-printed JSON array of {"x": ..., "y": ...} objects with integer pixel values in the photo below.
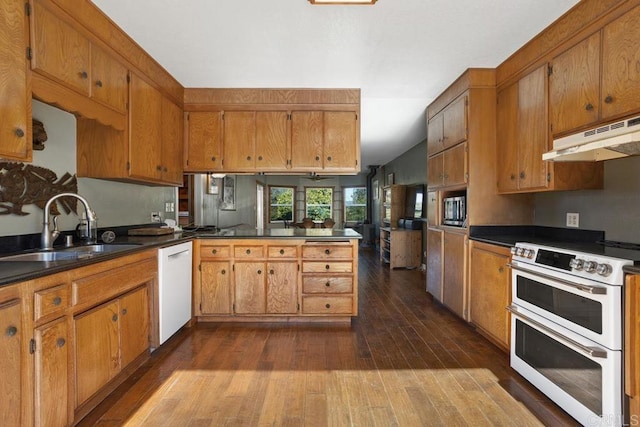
[
  {"x": 155, "y": 217},
  {"x": 169, "y": 207},
  {"x": 573, "y": 219}
]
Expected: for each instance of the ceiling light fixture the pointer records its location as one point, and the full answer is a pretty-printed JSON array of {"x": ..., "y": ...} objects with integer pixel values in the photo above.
[{"x": 370, "y": 2}]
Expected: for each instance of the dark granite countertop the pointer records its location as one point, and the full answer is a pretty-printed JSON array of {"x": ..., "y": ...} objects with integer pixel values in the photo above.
[
  {"x": 508, "y": 235},
  {"x": 19, "y": 271}
]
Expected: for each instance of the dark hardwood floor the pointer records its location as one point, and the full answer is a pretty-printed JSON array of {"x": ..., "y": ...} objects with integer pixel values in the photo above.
[{"x": 404, "y": 361}]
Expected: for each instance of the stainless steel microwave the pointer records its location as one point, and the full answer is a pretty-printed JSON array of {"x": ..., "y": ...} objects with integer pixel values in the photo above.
[{"x": 454, "y": 211}]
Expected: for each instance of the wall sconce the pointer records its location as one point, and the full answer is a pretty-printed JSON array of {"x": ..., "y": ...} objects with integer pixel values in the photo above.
[{"x": 369, "y": 2}]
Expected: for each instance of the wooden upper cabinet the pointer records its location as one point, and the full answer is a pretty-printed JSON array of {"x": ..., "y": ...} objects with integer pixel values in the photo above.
[
  {"x": 341, "y": 151},
  {"x": 574, "y": 89},
  {"x": 522, "y": 134},
  {"x": 448, "y": 127},
  {"x": 435, "y": 172},
  {"x": 204, "y": 141},
  {"x": 239, "y": 140},
  {"x": 108, "y": 80},
  {"x": 448, "y": 168},
  {"x": 172, "y": 142},
  {"x": 272, "y": 141},
  {"x": 306, "y": 140},
  {"x": 59, "y": 51},
  {"x": 145, "y": 118},
  {"x": 620, "y": 65},
  {"x": 15, "y": 126}
]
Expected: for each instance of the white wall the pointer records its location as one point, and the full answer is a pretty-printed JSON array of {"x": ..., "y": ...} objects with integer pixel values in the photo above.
[{"x": 114, "y": 203}]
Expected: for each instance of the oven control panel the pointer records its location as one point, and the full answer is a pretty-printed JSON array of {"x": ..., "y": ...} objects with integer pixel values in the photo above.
[{"x": 596, "y": 267}]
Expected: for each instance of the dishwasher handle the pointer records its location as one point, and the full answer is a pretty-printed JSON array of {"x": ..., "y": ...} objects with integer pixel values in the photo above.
[{"x": 177, "y": 254}]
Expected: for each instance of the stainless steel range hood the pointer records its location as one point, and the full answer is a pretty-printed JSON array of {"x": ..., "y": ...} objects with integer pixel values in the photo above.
[{"x": 612, "y": 141}]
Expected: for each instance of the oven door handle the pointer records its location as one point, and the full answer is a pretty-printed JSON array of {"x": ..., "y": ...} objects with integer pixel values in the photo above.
[
  {"x": 590, "y": 351},
  {"x": 593, "y": 290}
]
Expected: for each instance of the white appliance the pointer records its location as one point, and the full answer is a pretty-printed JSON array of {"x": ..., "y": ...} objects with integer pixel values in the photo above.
[
  {"x": 174, "y": 289},
  {"x": 566, "y": 327}
]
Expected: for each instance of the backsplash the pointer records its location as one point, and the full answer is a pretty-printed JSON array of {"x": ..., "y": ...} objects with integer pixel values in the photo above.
[{"x": 115, "y": 203}]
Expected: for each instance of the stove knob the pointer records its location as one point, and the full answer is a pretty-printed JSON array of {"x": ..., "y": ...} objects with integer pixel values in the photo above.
[
  {"x": 513, "y": 250},
  {"x": 529, "y": 253},
  {"x": 519, "y": 251},
  {"x": 576, "y": 264},
  {"x": 590, "y": 266},
  {"x": 604, "y": 269}
]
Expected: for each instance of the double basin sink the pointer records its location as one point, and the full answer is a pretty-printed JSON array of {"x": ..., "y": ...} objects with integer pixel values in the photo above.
[{"x": 74, "y": 253}]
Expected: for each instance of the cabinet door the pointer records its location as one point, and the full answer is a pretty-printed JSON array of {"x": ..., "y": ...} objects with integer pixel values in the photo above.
[
  {"x": 435, "y": 134},
  {"x": 51, "y": 374},
  {"x": 453, "y": 293},
  {"x": 454, "y": 123},
  {"x": 215, "y": 287},
  {"x": 10, "y": 363},
  {"x": 433, "y": 213},
  {"x": 272, "y": 140},
  {"x": 145, "y": 144},
  {"x": 532, "y": 130},
  {"x": 239, "y": 140},
  {"x": 507, "y": 139},
  {"x": 15, "y": 96},
  {"x": 574, "y": 86},
  {"x": 631, "y": 342},
  {"x": 172, "y": 142},
  {"x": 620, "y": 69},
  {"x": 108, "y": 80},
  {"x": 204, "y": 142},
  {"x": 340, "y": 141},
  {"x": 455, "y": 165},
  {"x": 97, "y": 350},
  {"x": 435, "y": 171},
  {"x": 134, "y": 325},
  {"x": 434, "y": 263},
  {"x": 306, "y": 140},
  {"x": 489, "y": 291},
  {"x": 282, "y": 287},
  {"x": 250, "y": 288},
  {"x": 59, "y": 51}
]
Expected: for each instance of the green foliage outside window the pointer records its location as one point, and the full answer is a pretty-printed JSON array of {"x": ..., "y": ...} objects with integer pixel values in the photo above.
[
  {"x": 281, "y": 204},
  {"x": 319, "y": 203},
  {"x": 355, "y": 204}
]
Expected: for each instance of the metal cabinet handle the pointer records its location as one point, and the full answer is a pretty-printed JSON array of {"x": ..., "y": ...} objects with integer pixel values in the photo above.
[
  {"x": 500, "y": 269},
  {"x": 248, "y": 251},
  {"x": 248, "y": 157},
  {"x": 213, "y": 159},
  {"x": 328, "y": 305},
  {"x": 608, "y": 99},
  {"x": 590, "y": 351},
  {"x": 223, "y": 272},
  {"x": 588, "y": 107},
  {"x": 124, "y": 311},
  {"x": 83, "y": 74},
  {"x": 12, "y": 331},
  {"x": 329, "y": 158},
  {"x": 61, "y": 342},
  {"x": 259, "y": 271},
  {"x": 271, "y": 272},
  {"x": 114, "y": 317},
  {"x": 327, "y": 251},
  {"x": 259, "y": 157},
  {"x": 214, "y": 251},
  {"x": 317, "y": 158},
  {"x": 326, "y": 267},
  {"x": 19, "y": 133},
  {"x": 99, "y": 83},
  {"x": 281, "y": 251},
  {"x": 513, "y": 177},
  {"x": 328, "y": 284},
  {"x": 57, "y": 301},
  {"x": 522, "y": 175}
]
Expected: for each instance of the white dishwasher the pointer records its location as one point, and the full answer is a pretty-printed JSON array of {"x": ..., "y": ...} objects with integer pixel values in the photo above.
[{"x": 174, "y": 288}]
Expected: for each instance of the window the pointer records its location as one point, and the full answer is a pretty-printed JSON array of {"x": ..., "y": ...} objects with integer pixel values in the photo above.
[
  {"x": 355, "y": 204},
  {"x": 281, "y": 204},
  {"x": 319, "y": 203}
]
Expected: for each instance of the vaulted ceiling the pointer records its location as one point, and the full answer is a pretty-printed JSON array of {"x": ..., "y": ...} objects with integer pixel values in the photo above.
[{"x": 401, "y": 53}]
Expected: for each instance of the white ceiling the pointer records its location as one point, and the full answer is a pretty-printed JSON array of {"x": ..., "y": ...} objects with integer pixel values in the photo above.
[{"x": 401, "y": 53}]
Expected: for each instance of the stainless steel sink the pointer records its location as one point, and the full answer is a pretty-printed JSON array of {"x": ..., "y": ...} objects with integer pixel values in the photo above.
[{"x": 70, "y": 254}]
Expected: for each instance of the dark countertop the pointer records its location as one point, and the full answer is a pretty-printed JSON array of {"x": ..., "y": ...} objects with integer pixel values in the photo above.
[
  {"x": 508, "y": 235},
  {"x": 19, "y": 271},
  {"x": 631, "y": 269}
]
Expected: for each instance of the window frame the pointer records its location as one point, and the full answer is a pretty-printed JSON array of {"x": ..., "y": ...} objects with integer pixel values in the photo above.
[
  {"x": 293, "y": 203},
  {"x": 306, "y": 205},
  {"x": 345, "y": 206}
]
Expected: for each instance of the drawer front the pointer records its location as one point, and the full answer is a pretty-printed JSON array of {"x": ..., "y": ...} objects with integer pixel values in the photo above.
[
  {"x": 327, "y": 267},
  {"x": 283, "y": 251},
  {"x": 327, "y": 305},
  {"x": 214, "y": 251},
  {"x": 49, "y": 301},
  {"x": 327, "y": 284},
  {"x": 248, "y": 252},
  {"x": 327, "y": 251}
]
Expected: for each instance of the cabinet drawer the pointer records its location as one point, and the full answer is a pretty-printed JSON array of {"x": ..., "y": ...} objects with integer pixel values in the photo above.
[
  {"x": 327, "y": 305},
  {"x": 282, "y": 251},
  {"x": 49, "y": 301},
  {"x": 327, "y": 251},
  {"x": 327, "y": 285},
  {"x": 327, "y": 267},
  {"x": 248, "y": 252},
  {"x": 214, "y": 251}
]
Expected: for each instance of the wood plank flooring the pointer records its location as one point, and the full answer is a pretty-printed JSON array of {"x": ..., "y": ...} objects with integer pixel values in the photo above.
[{"x": 404, "y": 361}]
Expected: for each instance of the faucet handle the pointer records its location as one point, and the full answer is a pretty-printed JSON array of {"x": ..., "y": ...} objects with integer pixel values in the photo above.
[{"x": 55, "y": 232}]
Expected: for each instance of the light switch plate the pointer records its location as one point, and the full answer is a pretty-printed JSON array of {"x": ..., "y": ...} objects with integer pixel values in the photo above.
[{"x": 573, "y": 219}]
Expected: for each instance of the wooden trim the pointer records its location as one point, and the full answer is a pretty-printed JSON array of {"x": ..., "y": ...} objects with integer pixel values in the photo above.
[
  {"x": 265, "y": 318},
  {"x": 471, "y": 78},
  {"x": 631, "y": 340},
  {"x": 271, "y": 96},
  {"x": 585, "y": 18},
  {"x": 270, "y": 107}
]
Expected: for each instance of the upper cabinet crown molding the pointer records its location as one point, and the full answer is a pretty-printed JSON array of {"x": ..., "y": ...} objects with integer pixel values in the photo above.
[{"x": 194, "y": 97}]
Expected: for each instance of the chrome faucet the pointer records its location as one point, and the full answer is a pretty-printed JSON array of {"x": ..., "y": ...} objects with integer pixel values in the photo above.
[{"x": 48, "y": 236}]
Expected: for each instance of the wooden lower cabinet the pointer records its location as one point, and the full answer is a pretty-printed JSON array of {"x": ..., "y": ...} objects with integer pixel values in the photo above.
[
  {"x": 400, "y": 248},
  {"x": 274, "y": 279},
  {"x": 434, "y": 262},
  {"x": 490, "y": 291},
  {"x": 11, "y": 362},
  {"x": 134, "y": 325},
  {"x": 453, "y": 272}
]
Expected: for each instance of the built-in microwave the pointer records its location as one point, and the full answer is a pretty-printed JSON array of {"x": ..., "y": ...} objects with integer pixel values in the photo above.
[{"x": 454, "y": 211}]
